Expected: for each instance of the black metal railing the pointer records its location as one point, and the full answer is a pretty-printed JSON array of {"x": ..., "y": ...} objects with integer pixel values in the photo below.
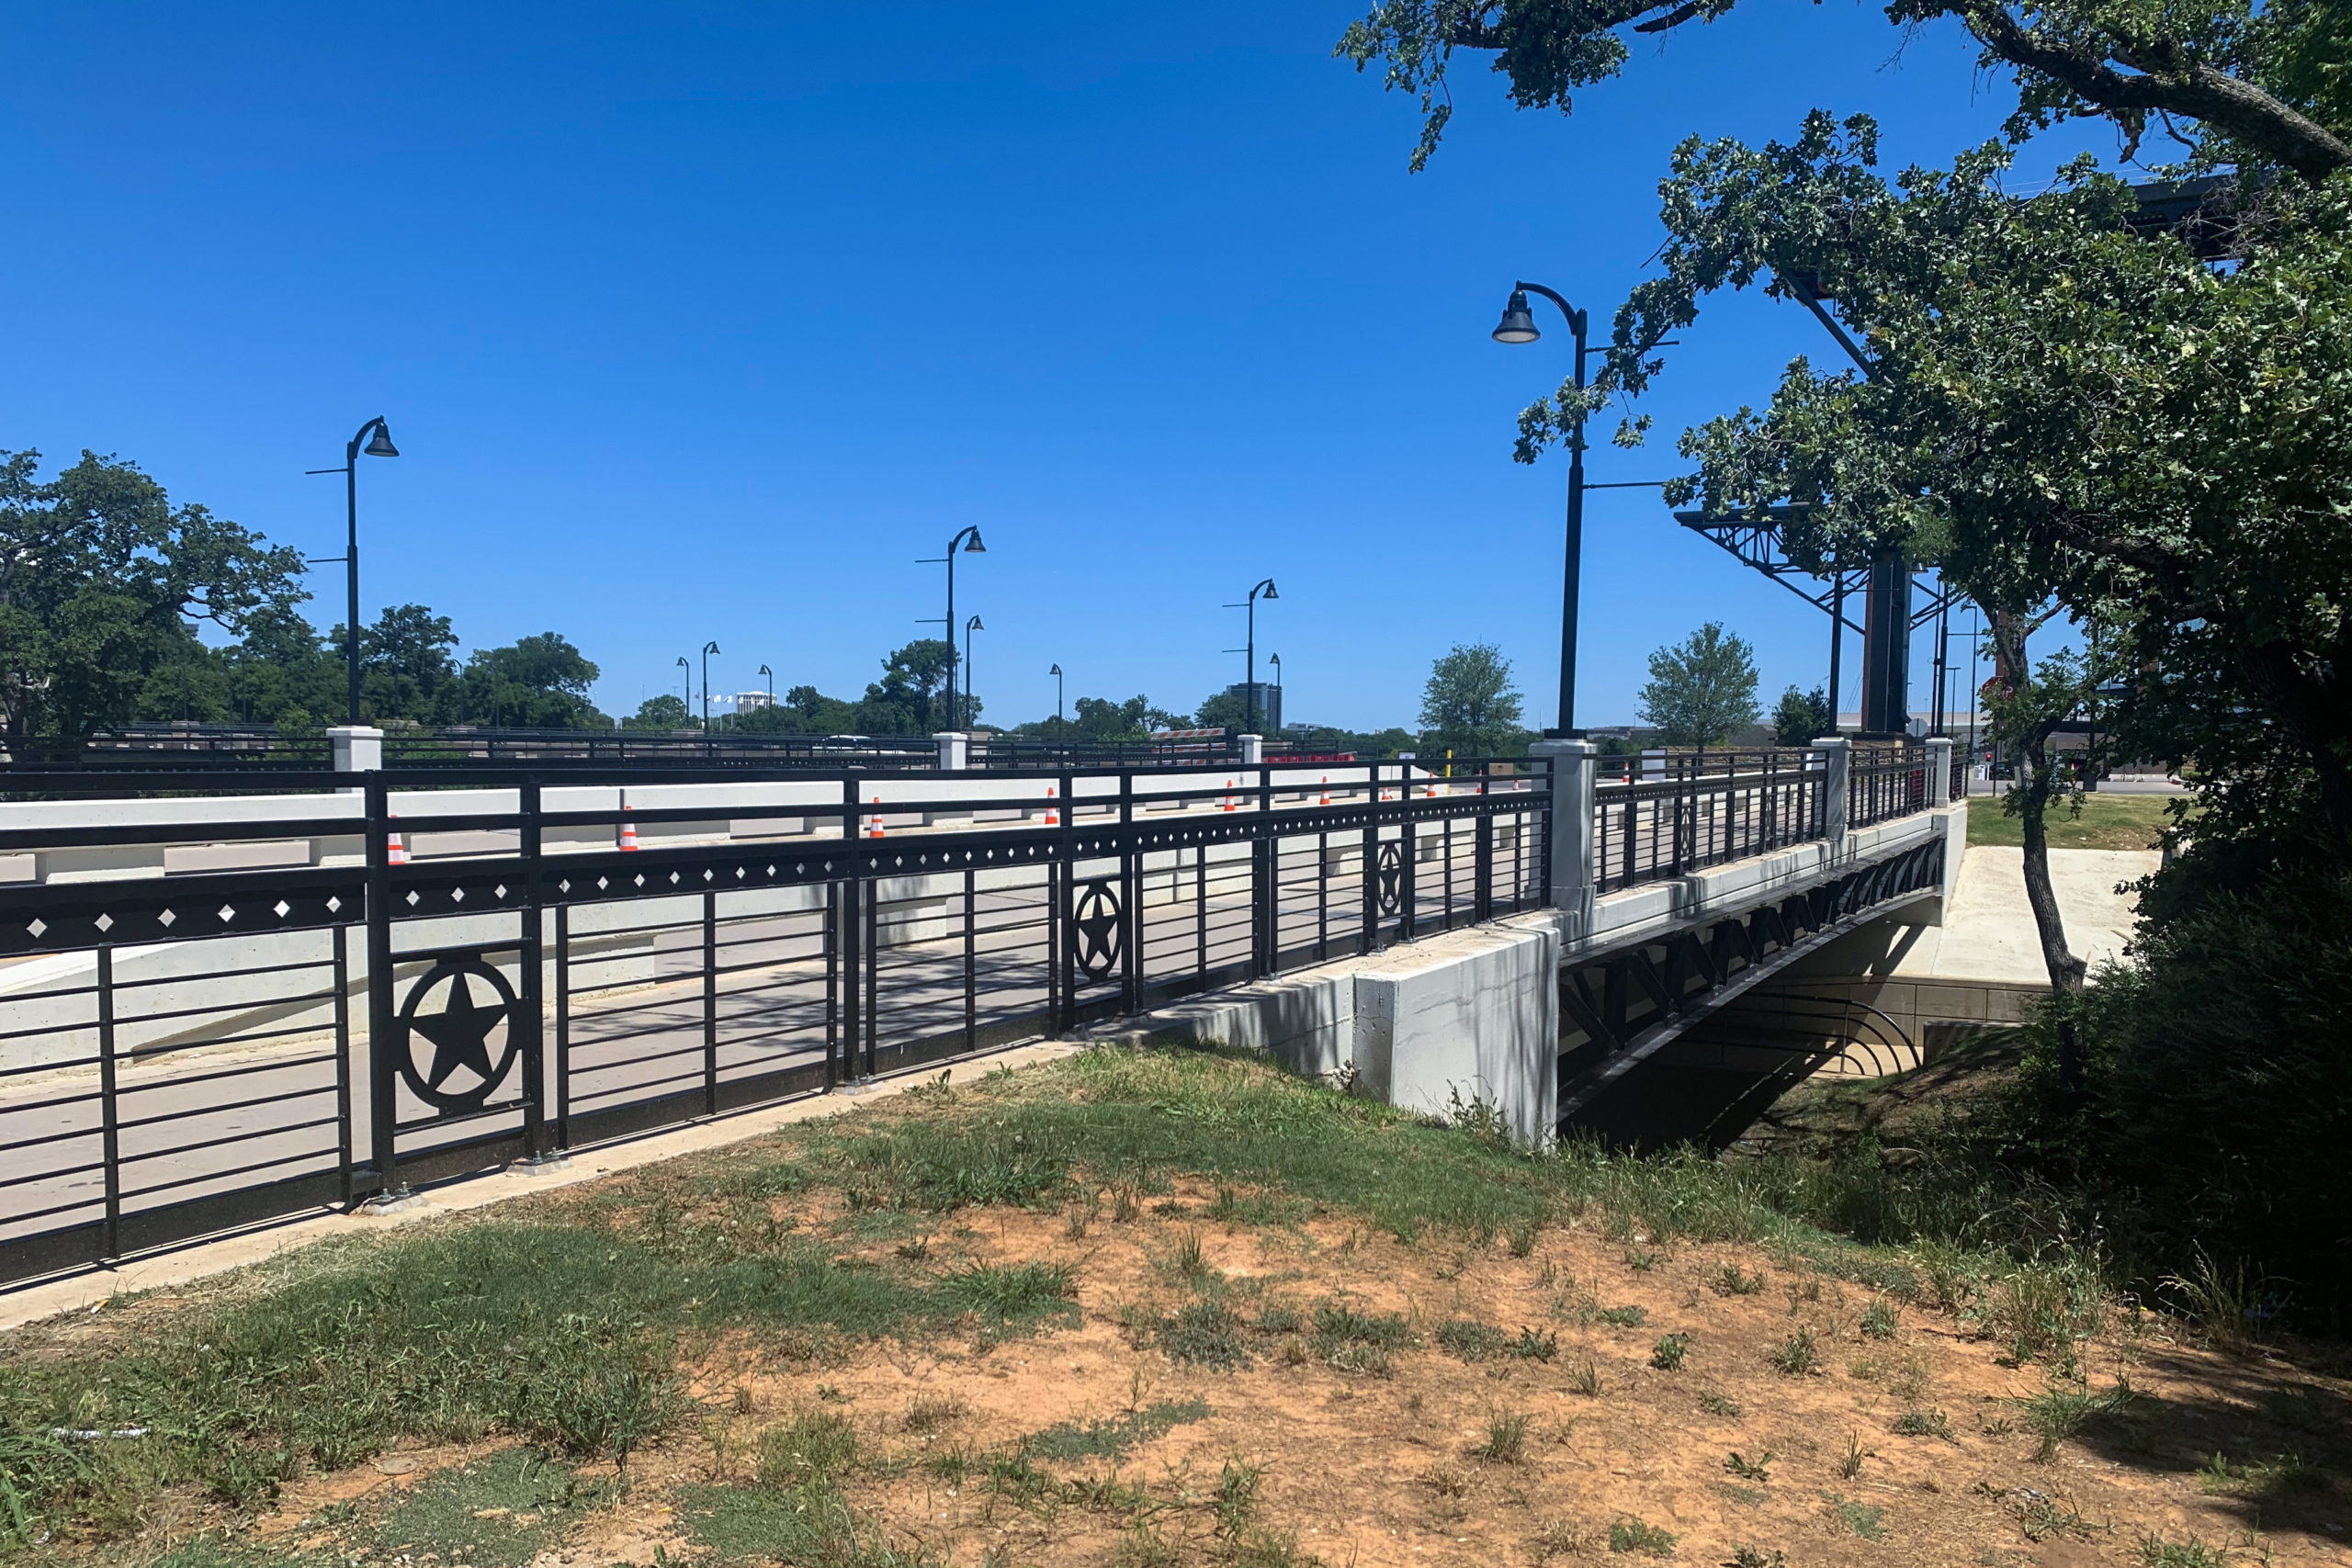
[
  {"x": 1028, "y": 752},
  {"x": 427, "y": 985},
  {"x": 1885, "y": 782},
  {"x": 1665, "y": 816}
]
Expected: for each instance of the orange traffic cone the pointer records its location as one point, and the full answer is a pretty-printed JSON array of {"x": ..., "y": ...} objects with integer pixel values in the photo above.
[
  {"x": 395, "y": 852},
  {"x": 875, "y": 830},
  {"x": 1327, "y": 789},
  {"x": 1053, "y": 811},
  {"x": 628, "y": 831},
  {"x": 1229, "y": 800}
]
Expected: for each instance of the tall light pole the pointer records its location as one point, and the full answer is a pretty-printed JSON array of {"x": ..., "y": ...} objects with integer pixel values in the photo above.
[
  {"x": 688, "y": 680},
  {"x": 972, "y": 534},
  {"x": 1276, "y": 660},
  {"x": 969, "y": 628},
  {"x": 771, "y": 675},
  {"x": 379, "y": 446},
  {"x": 707, "y": 649},
  {"x": 1518, "y": 325},
  {"x": 1060, "y": 723},
  {"x": 1249, "y": 653}
]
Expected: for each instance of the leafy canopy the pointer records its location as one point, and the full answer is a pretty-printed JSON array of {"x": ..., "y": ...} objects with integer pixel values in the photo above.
[{"x": 1701, "y": 689}]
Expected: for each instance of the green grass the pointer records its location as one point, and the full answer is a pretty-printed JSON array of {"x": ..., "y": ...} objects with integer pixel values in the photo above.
[
  {"x": 1111, "y": 1439},
  {"x": 499, "y": 1512},
  {"x": 1867, "y": 1521},
  {"x": 2104, "y": 822},
  {"x": 1630, "y": 1534}
]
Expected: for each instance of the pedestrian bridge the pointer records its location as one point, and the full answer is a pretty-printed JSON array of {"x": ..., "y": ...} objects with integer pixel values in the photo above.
[{"x": 227, "y": 998}]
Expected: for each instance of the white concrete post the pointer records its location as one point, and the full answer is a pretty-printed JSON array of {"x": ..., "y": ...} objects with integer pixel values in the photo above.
[
  {"x": 954, "y": 751},
  {"x": 1838, "y": 759},
  {"x": 1939, "y": 770},
  {"x": 1572, "y": 830},
  {"x": 359, "y": 748},
  {"x": 1253, "y": 751}
]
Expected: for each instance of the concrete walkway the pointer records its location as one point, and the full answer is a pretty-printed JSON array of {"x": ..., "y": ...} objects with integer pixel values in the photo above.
[{"x": 1988, "y": 934}]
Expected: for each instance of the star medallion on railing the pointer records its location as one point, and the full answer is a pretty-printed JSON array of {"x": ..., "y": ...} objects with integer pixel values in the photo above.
[
  {"x": 460, "y": 1031},
  {"x": 1094, "y": 926}
]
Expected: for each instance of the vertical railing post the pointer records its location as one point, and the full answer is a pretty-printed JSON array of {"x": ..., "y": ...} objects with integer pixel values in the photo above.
[
  {"x": 710, "y": 1002},
  {"x": 1939, "y": 770},
  {"x": 533, "y": 1044},
  {"x": 833, "y": 941},
  {"x": 343, "y": 1062},
  {"x": 1572, "y": 872},
  {"x": 1836, "y": 780},
  {"x": 1368, "y": 936},
  {"x": 563, "y": 1026},
  {"x": 1130, "y": 902},
  {"x": 870, "y": 1007},
  {"x": 1482, "y": 857},
  {"x": 108, "y": 1110},
  {"x": 971, "y": 962},
  {"x": 383, "y": 1020}
]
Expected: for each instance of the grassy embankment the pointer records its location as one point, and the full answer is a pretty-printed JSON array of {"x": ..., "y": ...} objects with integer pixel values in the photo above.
[
  {"x": 1143, "y": 1309},
  {"x": 2102, "y": 822}
]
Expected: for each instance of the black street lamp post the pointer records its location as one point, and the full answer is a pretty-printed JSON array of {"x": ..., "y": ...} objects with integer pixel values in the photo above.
[
  {"x": 771, "y": 675},
  {"x": 707, "y": 649},
  {"x": 379, "y": 446},
  {"x": 1518, "y": 325},
  {"x": 971, "y": 533},
  {"x": 1060, "y": 723},
  {"x": 1276, "y": 660},
  {"x": 688, "y": 680},
  {"x": 1249, "y": 653},
  {"x": 969, "y": 628}
]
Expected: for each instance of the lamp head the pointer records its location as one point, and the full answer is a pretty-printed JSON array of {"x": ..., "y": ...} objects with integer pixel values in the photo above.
[
  {"x": 380, "y": 443},
  {"x": 974, "y": 625},
  {"x": 975, "y": 548},
  {"x": 710, "y": 647},
  {"x": 1055, "y": 670},
  {"x": 1269, "y": 589},
  {"x": 682, "y": 661},
  {"x": 1518, "y": 324}
]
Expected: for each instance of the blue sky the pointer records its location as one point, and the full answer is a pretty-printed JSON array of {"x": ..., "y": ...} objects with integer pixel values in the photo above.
[{"x": 703, "y": 321}]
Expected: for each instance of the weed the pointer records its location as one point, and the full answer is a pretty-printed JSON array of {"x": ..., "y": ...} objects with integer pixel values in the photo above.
[
  {"x": 1143, "y": 1548},
  {"x": 1560, "y": 1538},
  {"x": 1797, "y": 1354},
  {"x": 1506, "y": 1439},
  {"x": 1727, "y": 1280},
  {"x": 1522, "y": 1238},
  {"x": 1471, "y": 1341},
  {"x": 2155, "y": 1552},
  {"x": 2301, "y": 1408},
  {"x": 1912, "y": 1382},
  {"x": 1668, "y": 1353},
  {"x": 1745, "y": 1556},
  {"x": 1206, "y": 1331},
  {"x": 1878, "y": 1320},
  {"x": 1358, "y": 1342},
  {"x": 1534, "y": 1345},
  {"x": 1639, "y": 1260},
  {"x": 1016, "y": 1293},
  {"x": 1923, "y": 1423},
  {"x": 1584, "y": 1377},
  {"x": 1715, "y": 1403},
  {"x": 930, "y": 1412},
  {"x": 1630, "y": 1534},
  {"x": 1447, "y": 1481},
  {"x": 1188, "y": 1261},
  {"x": 914, "y": 1249},
  {"x": 811, "y": 1523},
  {"x": 2227, "y": 1305},
  {"x": 1747, "y": 1496},
  {"x": 1865, "y": 1519},
  {"x": 2064, "y": 1409},
  {"x": 815, "y": 1445},
  {"x": 1850, "y": 1463},
  {"x": 2040, "y": 1516},
  {"x": 1236, "y": 1496},
  {"x": 1758, "y": 1469},
  {"x": 1624, "y": 1317},
  {"x": 1224, "y": 1208}
]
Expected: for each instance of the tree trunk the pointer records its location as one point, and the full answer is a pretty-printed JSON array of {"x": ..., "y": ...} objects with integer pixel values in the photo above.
[{"x": 2029, "y": 791}]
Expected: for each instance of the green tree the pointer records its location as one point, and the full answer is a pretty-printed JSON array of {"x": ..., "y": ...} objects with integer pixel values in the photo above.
[
  {"x": 667, "y": 711},
  {"x": 1228, "y": 711},
  {"x": 906, "y": 701},
  {"x": 539, "y": 681},
  {"x": 1470, "y": 706},
  {"x": 406, "y": 662},
  {"x": 1701, "y": 689},
  {"x": 1803, "y": 718},
  {"x": 100, "y": 578}
]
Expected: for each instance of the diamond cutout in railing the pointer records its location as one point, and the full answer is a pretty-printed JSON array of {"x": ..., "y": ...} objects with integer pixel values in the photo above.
[
  {"x": 603, "y": 885},
  {"x": 227, "y": 914},
  {"x": 414, "y": 899},
  {"x": 564, "y": 885},
  {"x": 37, "y": 927},
  {"x": 457, "y": 896},
  {"x": 499, "y": 891},
  {"x": 281, "y": 908},
  {"x": 335, "y": 903},
  {"x": 640, "y": 879},
  {"x": 166, "y": 919},
  {"x": 103, "y": 922}
]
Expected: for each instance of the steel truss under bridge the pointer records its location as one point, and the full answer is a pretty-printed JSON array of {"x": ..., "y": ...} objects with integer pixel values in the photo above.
[{"x": 1624, "y": 1002}]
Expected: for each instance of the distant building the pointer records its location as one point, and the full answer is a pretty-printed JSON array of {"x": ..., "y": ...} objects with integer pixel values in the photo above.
[
  {"x": 745, "y": 702},
  {"x": 1270, "y": 704}
]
